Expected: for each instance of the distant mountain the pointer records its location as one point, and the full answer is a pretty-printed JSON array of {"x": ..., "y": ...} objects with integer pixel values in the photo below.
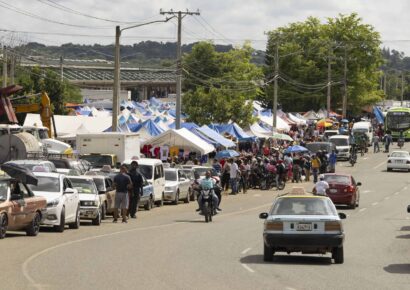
[{"x": 143, "y": 54}]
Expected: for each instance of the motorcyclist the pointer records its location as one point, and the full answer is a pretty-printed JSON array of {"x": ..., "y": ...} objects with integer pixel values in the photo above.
[
  {"x": 208, "y": 183},
  {"x": 321, "y": 186}
]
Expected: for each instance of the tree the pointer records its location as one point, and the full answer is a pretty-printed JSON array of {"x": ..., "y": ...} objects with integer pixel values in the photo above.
[
  {"x": 218, "y": 86},
  {"x": 304, "y": 51}
]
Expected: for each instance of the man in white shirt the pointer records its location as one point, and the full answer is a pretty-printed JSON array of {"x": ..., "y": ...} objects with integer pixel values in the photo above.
[
  {"x": 321, "y": 186},
  {"x": 233, "y": 173}
]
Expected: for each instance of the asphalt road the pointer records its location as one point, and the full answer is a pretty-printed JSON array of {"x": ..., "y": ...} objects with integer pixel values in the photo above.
[{"x": 172, "y": 248}]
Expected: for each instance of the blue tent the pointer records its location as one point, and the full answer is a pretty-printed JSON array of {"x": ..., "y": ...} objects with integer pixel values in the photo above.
[
  {"x": 120, "y": 128},
  {"x": 219, "y": 139},
  {"x": 187, "y": 125},
  {"x": 232, "y": 129},
  {"x": 149, "y": 125},
  {"x": 379, "y": 115}
]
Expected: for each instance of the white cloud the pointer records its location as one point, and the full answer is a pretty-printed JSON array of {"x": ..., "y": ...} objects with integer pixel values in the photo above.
[{"x": 230, "y": 20}]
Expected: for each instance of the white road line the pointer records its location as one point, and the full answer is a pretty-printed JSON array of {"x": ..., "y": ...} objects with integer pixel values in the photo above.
[
  {"x": 375, "y": 203},
  {"x": 404, "y": 188},
  {"x": 377, "y": 166},
  {"x": 248, "y": 268},
  {"x": 290, "y": 288},
  {"x": 365, "y": 158},
  {"x": 362, "y": 209},
  {"x": 397, "y": 193},
  {"x": 246, "y": 250},
  {"x": 367, "y": 191},
  {"x": 387, "y": 198},
  {"x": 257, "y": 195}
]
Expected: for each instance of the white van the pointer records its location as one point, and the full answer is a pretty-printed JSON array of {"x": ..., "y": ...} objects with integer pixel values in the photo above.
[
  {"x": 364, "y": 127},
  {"x": 342, "y": 144},
  {"x": 153, "y": 170}
]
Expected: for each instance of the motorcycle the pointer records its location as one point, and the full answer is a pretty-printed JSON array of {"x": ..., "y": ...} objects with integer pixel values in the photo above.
[
  {"x": 207, "y": 207},
  {"x": 268, "y": 181},
  {"x": 400, "y": 142},
  {"x": 353, "y": 158}
]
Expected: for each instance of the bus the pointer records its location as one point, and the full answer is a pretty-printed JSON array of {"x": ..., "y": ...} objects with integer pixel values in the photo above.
[{"x": 398, "y": 119}]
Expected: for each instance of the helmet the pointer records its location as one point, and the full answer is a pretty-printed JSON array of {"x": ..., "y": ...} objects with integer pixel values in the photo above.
[{"x": 321, "y": 177}]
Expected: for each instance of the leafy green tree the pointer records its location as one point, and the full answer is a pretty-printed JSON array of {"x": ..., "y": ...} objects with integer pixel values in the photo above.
[
  {"x": 304, "y": 50},
  {"x": 219, "y": 85}
]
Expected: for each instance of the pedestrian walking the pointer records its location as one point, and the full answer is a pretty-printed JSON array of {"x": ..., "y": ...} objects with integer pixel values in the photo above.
[
  {"x": 376, "y": 147},
  {"x": 122, "y": 183},
  {"x": 233, "y": 175},
  {"x": 315, "y": 167},
  {"x": 307, "y": 168},
  {"x": 387, "y": 139},
  {"x": 137, "y": 189},
  {"x": 332, "y": 161}
]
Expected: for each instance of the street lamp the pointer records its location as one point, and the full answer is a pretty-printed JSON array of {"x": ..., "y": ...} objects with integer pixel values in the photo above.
[{"x": 117, "y": 80}]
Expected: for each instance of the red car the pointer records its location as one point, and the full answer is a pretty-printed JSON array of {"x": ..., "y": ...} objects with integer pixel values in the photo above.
[{"x": 343, "y": 189}]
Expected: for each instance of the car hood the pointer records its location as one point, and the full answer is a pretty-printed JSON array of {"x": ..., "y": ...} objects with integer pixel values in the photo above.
[
  {"x": 88, "y": 197},
  {"x": 343, "y": 147},
  {"x": 303, "y": 218},
  {"x": 48, "y": 195},
  {"x": 171, "y": 183}
]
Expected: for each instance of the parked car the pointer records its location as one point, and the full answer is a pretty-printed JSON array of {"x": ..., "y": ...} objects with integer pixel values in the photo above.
[
  {"x": 32, "y": 163},
  {"x": 398, "y": 160},
  {"x": 91, "y": 206},
  {"x": 328, "y": 133},
  {"x": 343, "y": 189},
  {"x": 19, "y": 208},
  {"x": 66, "y": 163},
  {"x": 314, "y": 147},
  {"x": 303, "y": 223},
  {"x": 62, "y": 200},
  {"x": 342, "y": 144},
  {"x": 176, "y": 186},
  {"x": 104, "y": 186}
]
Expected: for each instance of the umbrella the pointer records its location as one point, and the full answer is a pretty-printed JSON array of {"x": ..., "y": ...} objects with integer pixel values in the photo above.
[
  {"x": 281, "y": 136},
  {"x": 20, "y": 173},
  {"x": 226, "y": 154},
  {"x": 295, "y": 149},
  {"x": 344, "y": 121}
]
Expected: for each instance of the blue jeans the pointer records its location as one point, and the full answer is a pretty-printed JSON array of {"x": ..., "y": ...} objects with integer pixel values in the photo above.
[
  {"x": 215, "y": 200},
  {"x": 315, "y": 172},
  {"x": 234, "y": 185}
]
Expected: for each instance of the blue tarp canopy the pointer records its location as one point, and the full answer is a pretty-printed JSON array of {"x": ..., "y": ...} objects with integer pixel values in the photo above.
[
  {"x": 379, "y": 115},
  {"x": 218, "y": 139},
  {"x": 149, "y": 125},
  {"x": 232, "y": 129},
  {"x": 186, "y": 125}
]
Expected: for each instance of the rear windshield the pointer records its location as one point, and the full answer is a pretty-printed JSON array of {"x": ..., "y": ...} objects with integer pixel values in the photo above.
[
  {"x": 303, "y": 206},
  {"x": 399, "y": 154},
  {"x": 46, "y": 183},
  {"x": 4, "y": 185},
  {"x": 84, "y": 185},
  {"x": 146, "y": 170},
  {"x": 99, "y": 183},
  {"x": 60, "y": 163},
  {"x": 340, "y": 141},
  {"x": 337, "y": 179},
  {"x": 170, "y": 175}
]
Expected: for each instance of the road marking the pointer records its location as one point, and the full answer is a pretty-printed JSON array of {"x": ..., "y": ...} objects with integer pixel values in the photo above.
[
  {"x": 365, "y": 158},
  {"x": 375, "y": 203},
  {"x": 257, "y": 195},
  {"x": 362, "y": 209},
  {"x": 387, "y": 198},
  {"x": 405, "y": 188},
  {"x": 367, "y": 191},
  {"x": 248, "y": 268},
  {"x": 246, "y": 250},
  {"x": 377, "y": 166},
  {"x": 397, "y": 193},
  {"x": 24, "y": 266},
  {"x": 290, "y": 288}
]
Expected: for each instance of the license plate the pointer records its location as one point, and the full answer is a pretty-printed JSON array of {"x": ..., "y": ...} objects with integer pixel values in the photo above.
[
  {"x": 399, "y": 161},
  {"x": 333, "y": 190},
  {"x": 89, "y": 212},
  {"x": 304, "y": 227}
]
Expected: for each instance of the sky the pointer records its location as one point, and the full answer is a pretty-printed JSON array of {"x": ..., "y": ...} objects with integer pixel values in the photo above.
[{"x": 54, "y": 22}]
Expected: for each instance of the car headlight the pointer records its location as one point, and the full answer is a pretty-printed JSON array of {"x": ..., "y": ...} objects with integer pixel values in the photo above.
[
  {"x": 53, "y": 203},
  {"x": 89, "y": 203},
  {"x": 168, "y": 188}
]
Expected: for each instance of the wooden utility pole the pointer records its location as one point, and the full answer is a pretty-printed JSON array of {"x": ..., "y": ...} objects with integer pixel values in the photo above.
[
  {"x": 402, "y": 88},
  {"x": 275, "y": 89},
  {"x": 344, "y": 104},
  {"x": 12, "y": 68},
  {"x": 180, "y": 15},
  {"x": 4, "y": 84}
]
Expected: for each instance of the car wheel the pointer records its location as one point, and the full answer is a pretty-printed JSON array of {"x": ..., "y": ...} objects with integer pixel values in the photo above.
[
  {"x": 3, "y": 226},
  {"x": 161, "y": 202},
  {"x": 76, "y": 224},
  {"x": 389, "y": 169},
  {"x": 267, "y": 253},
  {"x": 61, "y": 226},
  {"x": 352, "y": 205},
  {"x": 97, "y": 220},
  {"x": 148, "y": 204},
  {"x": 337, "y": 255},
  {"x": 104, "y": 211},
  {"x": 34, "y": 227},
  {"x": 176, "y": 200},
  {"x": 186, "y": 200}
]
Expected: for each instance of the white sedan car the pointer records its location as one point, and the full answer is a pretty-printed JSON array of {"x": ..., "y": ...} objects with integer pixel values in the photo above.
[
  {"x": 398, "y": 160},
  {"x": 90, "y": 204},
  {"x": 176, "y": 185},
  {"x": 62, "y": 200}
]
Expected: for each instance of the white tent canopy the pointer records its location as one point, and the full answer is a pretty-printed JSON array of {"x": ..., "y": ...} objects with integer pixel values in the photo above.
[
  {"x": 280, "y": 123},
  {"x": 182, "y": 138},
  {"x": 258, "y": 131}
]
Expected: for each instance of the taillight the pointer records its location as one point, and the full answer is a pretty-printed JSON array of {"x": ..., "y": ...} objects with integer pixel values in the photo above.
[
  {"x": 350, "y": 189},
  {"x": 274, "y": 226},
  {"x": 333, "y": 226},
  {"x": 388, "y": 161}
]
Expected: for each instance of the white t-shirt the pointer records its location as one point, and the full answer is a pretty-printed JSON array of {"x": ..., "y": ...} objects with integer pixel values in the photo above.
[
  {"x": 234, "y": 170},
  {"x": 321, "y": 187}
]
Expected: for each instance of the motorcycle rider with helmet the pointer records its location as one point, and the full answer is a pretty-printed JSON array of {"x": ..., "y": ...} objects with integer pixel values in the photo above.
[{"x": 208, "y": 183}]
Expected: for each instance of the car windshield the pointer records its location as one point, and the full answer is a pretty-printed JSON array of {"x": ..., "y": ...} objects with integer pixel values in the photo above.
[
  {"x": 46, "y": 183},
  {"x": 146, "y": 170},
  {"x": 201, "y": 171},
  {"x": 315, "y": 147},
  {"x": 339, "y": 141},
  {"x": 170, "y": 175},
  {"x": 3, "y": 190},
  {"x": 399, "y": 154},
  {"x": 84, "y": 185},
  {"x": 98, "y": 160},
  {"x": 60, "y": 163},
  {"x": 99, "y": 182},
  {"x": 337, "y": 179},
  {"x": 303, "y": 206}
]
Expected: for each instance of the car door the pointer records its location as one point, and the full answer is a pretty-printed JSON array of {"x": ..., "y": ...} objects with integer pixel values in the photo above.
[
  {"x": 110, "y": 193},
  {"x": 18, "y": 206},
  {"x": 29, "y": 207},
  {"x": 183, "y": 183},
  {"x": 71, "y": 201}
]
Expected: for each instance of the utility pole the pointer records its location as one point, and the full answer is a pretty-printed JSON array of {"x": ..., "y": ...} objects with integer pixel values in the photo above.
[
  {"x": 180, "y": 15},
  {"x": 4, "y": 66},
  {"x": 344, "y": 104},
  {"x": 12, "y": 68},
  {"x": 329, "y": 80},
  {"x": 275, "y": 89},
  {"x": 385, "y": 83},
  {"x": 402, "y": 88},
  {"x": 116, "y": 87},
  {"x": 61, "y": 68}
]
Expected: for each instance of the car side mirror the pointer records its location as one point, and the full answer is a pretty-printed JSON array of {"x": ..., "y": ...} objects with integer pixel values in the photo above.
[
  {"x": 359, "y": 184},
  {"x": 342, "y": 215},
  {"x": 15, "y": 197},
  {"x": 69, "y": 191},
  {"x": 408, "y": 208},
  {"x": 182, "y": 179},
  {"x": 263, "y": 215}
]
